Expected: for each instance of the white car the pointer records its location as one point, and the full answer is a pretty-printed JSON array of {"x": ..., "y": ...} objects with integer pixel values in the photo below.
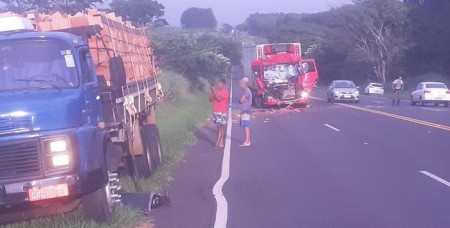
[
  {"x": 374, "y": 88},
  {"x": 431, "y": 92}
]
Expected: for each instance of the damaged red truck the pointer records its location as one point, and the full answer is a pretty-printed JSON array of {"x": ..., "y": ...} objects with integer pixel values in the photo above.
[{"x": 279, "y": 75}]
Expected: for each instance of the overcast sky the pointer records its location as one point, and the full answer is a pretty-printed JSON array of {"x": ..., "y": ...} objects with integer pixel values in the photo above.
[{"x": 235, "y": 11}]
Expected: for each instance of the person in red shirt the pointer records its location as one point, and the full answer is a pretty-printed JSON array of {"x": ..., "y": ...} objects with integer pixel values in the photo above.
[{"x": 220, "y": 97}]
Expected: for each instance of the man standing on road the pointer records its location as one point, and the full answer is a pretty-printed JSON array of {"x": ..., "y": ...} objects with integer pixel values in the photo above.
[
  {"x": 220, "y": 97},
  {"x": 246, "y": 111},
  {"x": 397, "y": 86}
]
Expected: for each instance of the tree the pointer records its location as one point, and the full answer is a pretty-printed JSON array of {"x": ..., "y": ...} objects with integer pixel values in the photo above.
[
  {"x": 379, "y": 29},
  {"x": 189, "y": 55},
  {"x": 225, "y": 45},
  {"x": 140, "y": 12},
  {"x": 431, "y": 36},
  {"x": 68, "y": 6},
  {"x": 198, "y": 18}
]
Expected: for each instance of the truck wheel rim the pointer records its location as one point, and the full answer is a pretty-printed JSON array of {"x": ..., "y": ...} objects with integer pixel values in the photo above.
[{"x": 111, "y": 188}]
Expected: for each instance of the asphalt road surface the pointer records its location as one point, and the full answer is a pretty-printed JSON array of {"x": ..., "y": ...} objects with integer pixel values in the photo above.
[{"x": 329, "y": 165}]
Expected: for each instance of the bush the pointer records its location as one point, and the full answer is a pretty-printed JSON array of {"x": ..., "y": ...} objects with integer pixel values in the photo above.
[
  {"x": 174, "y": 85},
  {"x": 196, "y": 55}
]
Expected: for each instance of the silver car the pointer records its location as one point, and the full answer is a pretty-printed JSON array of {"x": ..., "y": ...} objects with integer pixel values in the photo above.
[{"x": 343, "y": 90}]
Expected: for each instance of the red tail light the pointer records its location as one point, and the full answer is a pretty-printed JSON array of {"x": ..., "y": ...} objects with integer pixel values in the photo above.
[
  {"x": 448, "y": 91},
  {"x": 427, "y": 91}
]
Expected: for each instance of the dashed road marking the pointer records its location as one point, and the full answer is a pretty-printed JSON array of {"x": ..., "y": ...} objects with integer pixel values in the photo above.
[
  {"x": 436, "y": 178},
  {"x": 409, "y": 119},
  {"x": 331, "y": 127}
]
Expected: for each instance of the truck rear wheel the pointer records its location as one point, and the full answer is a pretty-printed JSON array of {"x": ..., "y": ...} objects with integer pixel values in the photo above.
[
  {"x": 100, "y": 205},
  {"x": 152, "y": 157}
]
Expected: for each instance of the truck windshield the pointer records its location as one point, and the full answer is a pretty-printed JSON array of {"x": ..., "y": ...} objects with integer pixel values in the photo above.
[
  {"x": 280, "y": 72},
  {"x": 36, "y": 64}
]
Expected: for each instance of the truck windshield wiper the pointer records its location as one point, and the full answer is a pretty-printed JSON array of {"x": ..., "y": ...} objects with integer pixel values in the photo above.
[{"x": 51, "y": 83}]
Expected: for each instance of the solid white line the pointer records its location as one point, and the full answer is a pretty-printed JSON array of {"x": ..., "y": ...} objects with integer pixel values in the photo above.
[
  {"x": 221, "y": 201},
  {"x": 442, "y": 181},
  {"x": 332, "y": 127}
]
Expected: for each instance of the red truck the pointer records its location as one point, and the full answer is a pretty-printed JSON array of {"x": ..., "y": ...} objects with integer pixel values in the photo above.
[{"x": 279, "y": 75}]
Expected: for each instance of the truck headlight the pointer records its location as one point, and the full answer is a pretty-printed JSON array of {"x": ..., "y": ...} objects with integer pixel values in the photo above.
[
  {"x": 57, "y": 153},
  {"x": 58, "y": 146},
  {"x": 336, "y": 93},
  {"x": 304, "y": 95},
  {"x": 356, "y": 92},
  {"x": 60, "y": 160}
]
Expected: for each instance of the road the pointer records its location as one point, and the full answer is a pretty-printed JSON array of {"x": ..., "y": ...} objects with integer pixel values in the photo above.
[{"x": 330, "y": 165}]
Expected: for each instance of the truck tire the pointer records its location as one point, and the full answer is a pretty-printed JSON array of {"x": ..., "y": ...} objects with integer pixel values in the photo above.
[
  {"x": 155, "y": 146},
  {"x": 99, "y": 205},
  {"x": 117, "y": 70},
  {"x": 152, "y": 157},
  {"x": 144, "y": 164},
  {"x": 259, "y": 103}
]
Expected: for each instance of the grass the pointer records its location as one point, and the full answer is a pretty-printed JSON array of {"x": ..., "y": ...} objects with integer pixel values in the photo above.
[
  {"x": 125, "y": 217},
  {"x": 177, "y": 122}
]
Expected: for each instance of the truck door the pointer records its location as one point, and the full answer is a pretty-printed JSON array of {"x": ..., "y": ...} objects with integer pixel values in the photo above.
[
  {"x": 311, "y": 77},
  {"x": 89, "y": 82}
]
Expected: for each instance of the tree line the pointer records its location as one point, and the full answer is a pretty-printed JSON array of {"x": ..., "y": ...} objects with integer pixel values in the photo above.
[{"x": 369, "y": 40}]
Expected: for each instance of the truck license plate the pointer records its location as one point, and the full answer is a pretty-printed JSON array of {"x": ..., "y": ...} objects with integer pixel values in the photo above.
[{"x": 48, "y": 192}]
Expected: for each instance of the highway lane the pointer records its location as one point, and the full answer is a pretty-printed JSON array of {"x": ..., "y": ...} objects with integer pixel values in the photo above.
[
  {"x": 429, "y": 112},
  {"x": 304, "y": 174},
  {"x": 324, "y": 166}
]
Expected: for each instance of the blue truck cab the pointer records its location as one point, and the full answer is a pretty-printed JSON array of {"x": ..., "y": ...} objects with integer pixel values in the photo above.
[{"x": 55, "y": 150}]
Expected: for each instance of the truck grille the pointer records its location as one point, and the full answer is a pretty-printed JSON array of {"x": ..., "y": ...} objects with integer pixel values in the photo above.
[
  {"x": 20, "y": 159},
  {"x": 10, "y": 125}
]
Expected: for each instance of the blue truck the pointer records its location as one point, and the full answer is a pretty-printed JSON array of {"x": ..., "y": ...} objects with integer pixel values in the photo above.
[{"x": 65, "y": 130}]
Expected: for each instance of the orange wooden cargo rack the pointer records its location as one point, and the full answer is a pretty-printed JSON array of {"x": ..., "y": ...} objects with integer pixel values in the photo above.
[{"x": 108, "y": 36}]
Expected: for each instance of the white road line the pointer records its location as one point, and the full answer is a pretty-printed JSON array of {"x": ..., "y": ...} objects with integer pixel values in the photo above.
[
  {"x": 221, "y": 201},
  {"x": 327, "y": 125},
  {"x": 436, "y": 178}
]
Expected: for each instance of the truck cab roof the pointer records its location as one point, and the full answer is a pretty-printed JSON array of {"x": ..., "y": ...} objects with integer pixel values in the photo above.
[{"x": 64, "y": 36}]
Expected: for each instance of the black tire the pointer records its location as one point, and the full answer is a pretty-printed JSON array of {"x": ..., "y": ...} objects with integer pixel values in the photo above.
[
  {"x": 412, "y": 101},
  {"x": 152, "y": 157},
  {"x": 144, "y": 164},
  {"x": 357, "y": 101},
  {"x": 96, "y": 205},
  {"x": 259, "y": 102},
  {"x": 421, "y": 102},
  {"x": 117, "y": 70},
  {"x": 154, "y": 144},
  {"x": 436, "y": 104},
  {"x": 446, "y": 104}
]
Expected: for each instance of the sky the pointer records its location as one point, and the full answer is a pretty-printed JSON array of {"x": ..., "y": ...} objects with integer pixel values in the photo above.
[{"x": 234, "y": 12}]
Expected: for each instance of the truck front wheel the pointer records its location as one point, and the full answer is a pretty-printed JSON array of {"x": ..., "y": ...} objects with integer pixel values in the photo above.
[
  {"x": 259, "y": 101},
  {"x": 100, "y": 205}
]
